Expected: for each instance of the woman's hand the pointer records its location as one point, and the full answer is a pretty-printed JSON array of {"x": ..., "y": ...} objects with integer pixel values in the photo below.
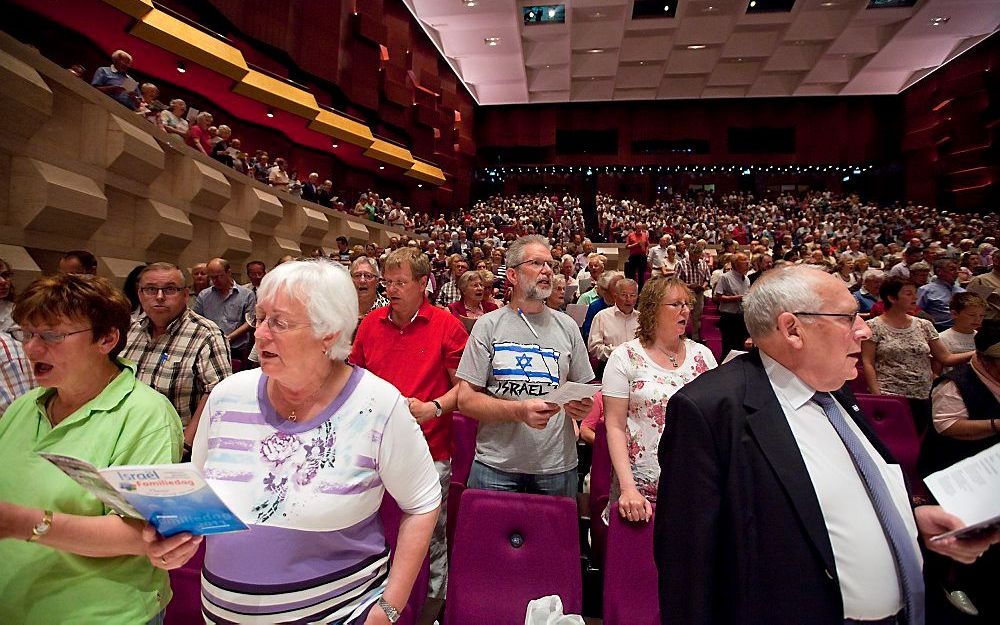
[
  {"x": 169, "y": 553},
  {"x": 633, "y": 507}
]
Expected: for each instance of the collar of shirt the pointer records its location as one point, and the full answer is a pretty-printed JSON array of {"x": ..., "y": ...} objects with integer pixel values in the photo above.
[
  {"x": 147, "y": 325},
  {"x": 109, "y": 397},
  {"x": 423, "y": 312},
  {"x": 620, "y": 313},
  {"x": 796, "y": 392}
]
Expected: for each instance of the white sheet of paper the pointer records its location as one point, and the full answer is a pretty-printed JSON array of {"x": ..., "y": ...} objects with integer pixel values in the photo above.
[
  {"x": 129, "y": 84},
  {"x": 733, "y": 353},
  {"x": 571, "y": 391},
  {"x": 970, "y": 489},
  {"x": 578, "y": 312}
]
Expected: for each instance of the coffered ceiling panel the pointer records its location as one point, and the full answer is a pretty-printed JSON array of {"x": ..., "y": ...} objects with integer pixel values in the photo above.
[{"x": 697, "y": 48}]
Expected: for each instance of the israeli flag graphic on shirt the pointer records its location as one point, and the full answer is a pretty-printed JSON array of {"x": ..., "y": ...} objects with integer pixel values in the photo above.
[{"x": 525, "y": 363}]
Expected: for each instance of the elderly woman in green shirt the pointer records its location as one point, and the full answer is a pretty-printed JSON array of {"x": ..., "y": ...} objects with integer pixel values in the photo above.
[{"x": 65, "y": 557}]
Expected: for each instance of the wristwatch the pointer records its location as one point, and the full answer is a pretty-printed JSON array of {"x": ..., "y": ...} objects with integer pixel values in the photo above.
[
  {"x": 438, "y": 411},
  {"x": 42, "y": 527},
  {"x": 391, "y": 613}
]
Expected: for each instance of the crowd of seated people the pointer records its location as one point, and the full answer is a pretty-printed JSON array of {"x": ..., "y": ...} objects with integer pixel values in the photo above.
[{"x": 500, "y": 272}]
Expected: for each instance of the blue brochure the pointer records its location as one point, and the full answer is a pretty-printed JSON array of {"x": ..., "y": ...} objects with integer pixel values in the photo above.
[{"x": 174, "y": 498}]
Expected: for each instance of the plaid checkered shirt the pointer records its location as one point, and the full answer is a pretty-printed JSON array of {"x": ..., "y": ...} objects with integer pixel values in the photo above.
[
  {"x": 698, "y": 274},
  {"x": 184, "y": 363},
  {"x": 16, "y": 378}
]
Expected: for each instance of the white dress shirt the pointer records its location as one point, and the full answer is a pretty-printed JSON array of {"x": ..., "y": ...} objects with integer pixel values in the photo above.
[
  {"x": 866, "y": 569},
  {"x": 610, "y": 328}
]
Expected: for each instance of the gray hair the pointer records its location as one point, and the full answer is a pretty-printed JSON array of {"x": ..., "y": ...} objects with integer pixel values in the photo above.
[
  {"x": 608, "y": 278},
  {"x": 515, "y": 253},
  {"x": 783, "y": 289},
  {"x": 558, "y": 280},
  {"x": 325, "y": 289},
  {"x": 624, "y": 283},
  {"x": 204, "y": 115},
  {"x": 121, "y": 54},
  {"x": 873, "y": 273},
  {"x": 365, "y": 260}
]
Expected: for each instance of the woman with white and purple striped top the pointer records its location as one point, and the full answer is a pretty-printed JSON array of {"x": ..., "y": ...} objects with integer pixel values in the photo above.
[{"x": 303, "y": 450}]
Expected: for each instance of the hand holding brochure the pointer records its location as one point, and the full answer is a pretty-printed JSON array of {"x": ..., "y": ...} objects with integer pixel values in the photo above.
[
  {"x": 570, "y": 391},
  {"x": 174, "y": 498},
  {"x": 969, "y": 489}
]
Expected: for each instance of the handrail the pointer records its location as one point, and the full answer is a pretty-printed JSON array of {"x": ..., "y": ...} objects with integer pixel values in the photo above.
[
  {"x": 279, "y": 77},
  {"x": 191, "y": 22}
]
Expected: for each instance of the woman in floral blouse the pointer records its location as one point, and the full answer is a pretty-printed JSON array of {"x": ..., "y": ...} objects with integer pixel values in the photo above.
[{"x": 640, "y": 377}]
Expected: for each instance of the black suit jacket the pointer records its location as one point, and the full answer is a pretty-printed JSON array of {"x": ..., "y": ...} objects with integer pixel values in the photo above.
[{"x": 739, "y": 533}]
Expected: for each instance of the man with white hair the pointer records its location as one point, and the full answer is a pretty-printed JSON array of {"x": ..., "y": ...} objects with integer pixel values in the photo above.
[
  {"x": 775, "y": 498},
  {"x": 516, "y": 355},
  {"x": 867, "y": 295},
  {"x": 115, "y": 81},
  {"x": 310, "y": 190}
]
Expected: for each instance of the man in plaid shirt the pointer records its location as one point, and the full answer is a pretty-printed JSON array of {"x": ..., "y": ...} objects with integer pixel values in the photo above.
[
  {"x": 178, "y": 352},
  {"x": 695, "y": 272},
  {"x": 16, "y": 378}
]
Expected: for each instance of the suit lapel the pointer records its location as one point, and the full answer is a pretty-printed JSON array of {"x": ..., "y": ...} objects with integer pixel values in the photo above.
[{"x": 769, "y": 427}]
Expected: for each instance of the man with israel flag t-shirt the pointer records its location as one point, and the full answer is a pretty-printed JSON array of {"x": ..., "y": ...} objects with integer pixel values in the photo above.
[{"x": 514, "y": 356}]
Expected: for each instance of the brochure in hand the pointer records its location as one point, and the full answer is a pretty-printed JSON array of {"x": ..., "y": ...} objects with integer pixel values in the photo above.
[{"x": 174, "y": 498}]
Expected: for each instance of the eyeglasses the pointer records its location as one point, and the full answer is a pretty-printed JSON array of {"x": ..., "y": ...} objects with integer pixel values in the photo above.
[
  {"x": 49, "y": 338},
  {"x": 364, "y": 276},
  {"x": 852, "y": 317},
  {"x": 679, "y": 305},
  {"x": 169, "y": 291},
  {"x": 538, "y": 264},
  {"x": 277, "y": 325},
  {"x": 399, "y": 284}
]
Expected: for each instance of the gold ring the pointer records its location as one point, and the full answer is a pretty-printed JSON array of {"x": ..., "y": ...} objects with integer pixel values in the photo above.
[{"x": 163, "y": 560}]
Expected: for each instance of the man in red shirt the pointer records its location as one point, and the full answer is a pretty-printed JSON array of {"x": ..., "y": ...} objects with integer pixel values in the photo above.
[
  {"x": 417, "y": 347},
  {"x": 637, "y": 243}
]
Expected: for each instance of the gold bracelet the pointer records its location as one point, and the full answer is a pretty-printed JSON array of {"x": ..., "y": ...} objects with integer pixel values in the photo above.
[{"x": 42, "y": 527}]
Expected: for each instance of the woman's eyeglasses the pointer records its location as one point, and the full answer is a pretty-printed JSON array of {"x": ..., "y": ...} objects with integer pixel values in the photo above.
[
  {"x": 277, "y": 325},
  {"x": 678, "y": 305},
  {"x": 49, "y": 338}
]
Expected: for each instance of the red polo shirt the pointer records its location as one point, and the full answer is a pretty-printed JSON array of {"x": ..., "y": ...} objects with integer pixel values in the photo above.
[{"x": 415, "y": 360}]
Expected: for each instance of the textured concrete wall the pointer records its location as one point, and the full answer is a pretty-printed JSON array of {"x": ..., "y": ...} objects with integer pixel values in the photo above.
[{"x": 78, "y": 170}]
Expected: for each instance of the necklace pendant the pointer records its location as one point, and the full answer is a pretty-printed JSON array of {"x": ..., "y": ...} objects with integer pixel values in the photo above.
[{"x": 291, "y": 417}]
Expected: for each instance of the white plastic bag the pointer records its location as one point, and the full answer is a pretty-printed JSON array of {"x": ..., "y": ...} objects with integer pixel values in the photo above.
[{"x": 549, "y": 611}]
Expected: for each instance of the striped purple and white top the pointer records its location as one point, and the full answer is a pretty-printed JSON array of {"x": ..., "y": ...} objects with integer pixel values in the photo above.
[{"x": 310, "y": 492}]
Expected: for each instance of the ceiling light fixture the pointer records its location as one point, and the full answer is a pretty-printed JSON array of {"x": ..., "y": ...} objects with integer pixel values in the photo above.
[
  {"x": 828, "y": 4},
  {"x": 596, "y": 14},
  {"x": 270, "y": 113},
  {"x": 753, "y": 3},
  {"x": 469, "y": 3},
  {"x": 595, "y": 50},
  {"x": 666, "y": 8},
  {"x": 180, "y": 67},
  {"x": 381, "y": 167},
  {"x": 552, "y": 12},
  {"x": 708, "y": 9},
  {"x": 696, "y": 46},
  {"x": 420, "y": 185},
  {"x": 336, "y": 145},
  {"x": 492, "y": 41},
  {"x": 939, "y": 21}
]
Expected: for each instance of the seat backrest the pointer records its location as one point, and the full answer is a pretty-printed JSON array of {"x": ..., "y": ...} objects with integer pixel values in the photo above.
[
  {"x": 511, "y": 548},
  {"x": 892, "y": 420},
  {"x": 630, "y": 577},
  {"x": 391, "y": 516},
  {"x": 600, "y": 490},
  {"x": 463, "y": 446},
  {"x": 185, "y": 583}
]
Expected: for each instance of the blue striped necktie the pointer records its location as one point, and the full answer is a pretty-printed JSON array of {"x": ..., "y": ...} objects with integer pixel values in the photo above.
[{"x": 911, "y": 578}]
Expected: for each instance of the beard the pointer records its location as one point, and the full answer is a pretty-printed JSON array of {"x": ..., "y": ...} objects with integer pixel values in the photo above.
[{"x": 535, "y": 292}]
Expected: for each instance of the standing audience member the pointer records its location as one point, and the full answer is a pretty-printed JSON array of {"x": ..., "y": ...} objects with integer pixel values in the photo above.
[
  {"x": 615, "y": 325},
  {"x": 16, "y": 378},
  {"x": 989, "y": 282},
  {"x": 386, "y": 344},
  {"x": 114, "y": 79},
  {"x": 172, "y": 119},
  {"x": 278, "y": 177},
  {"x": 176, "y": 351},
  {"x": 366, "y": 276},
  {"x": 475, "y": 301},
  {"x": 637, "y": 244},
  {"x": 695, "y": 272},
  {"x": 728, "y": 294},
  {"x": 897, "y": 357},
  {"x": 968, "y": 311},
  {"x": 641, "y": 376},
  {"x": 450, "y": 292},
  {"x": 228, "y": 305},
  {"x": 199, "y": 278},
  {"x": 198, "y": 136},
  {"x": 933, "y": 298},
  {"x": 256, "y": 270},
  {"x": 322, "y": 442},
  {"x": 515, "y": 355},
  {"x": 867, "y": 295},
  {"x": 67, "y": 558},
  {"x": 656, "y": 255},
  {"x": 78, "y": 262},
  {"x": 775, "y": 498},
  {"x": 557, "y": 299},
  {"x": 6, "y": 296}
]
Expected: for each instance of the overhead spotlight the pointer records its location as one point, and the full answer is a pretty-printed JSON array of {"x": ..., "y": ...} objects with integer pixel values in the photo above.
[
  {"x": 469, "y": 3},
  {"x": 381, "y": 167},
  {"x": 552, "y": 12},
  {"x": 270, "y": 113},
  {"x": 753, "y": 3},
  {"x": 596, "y": 15},
  {"x": 595, "y": 50},
  {"x": 336, "y": 145},
  {"x": 420, "y": 185},
  {"x": 846, "y": 178},
  {"x": 696, "y": 46},
  {"x": 666, "y": 8},
  {"x": 939, "y": 21},
  {"x": 180, "y": 67},
  {"x": 492, "y": 41}
]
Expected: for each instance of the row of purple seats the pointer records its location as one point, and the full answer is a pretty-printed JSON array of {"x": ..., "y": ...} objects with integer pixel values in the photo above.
[{"x": 892, "y": 420}]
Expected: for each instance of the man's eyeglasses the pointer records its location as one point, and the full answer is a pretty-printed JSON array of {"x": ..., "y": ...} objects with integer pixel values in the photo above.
[
  {"x": 399, "y": 284},
  {"x": 277, "y": 325},
  {"x": 169, "y": 291},
  {"x": 49, "y": 338},
  {"x": 364, "y": 276},
  {"x": 538, "y": 264},
  {"x": 851, "y": 317}
]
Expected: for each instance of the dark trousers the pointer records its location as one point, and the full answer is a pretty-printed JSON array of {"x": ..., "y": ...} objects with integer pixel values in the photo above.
[
  {"x": 734, "y": 332},
  {"x": 635, "y": 268}
]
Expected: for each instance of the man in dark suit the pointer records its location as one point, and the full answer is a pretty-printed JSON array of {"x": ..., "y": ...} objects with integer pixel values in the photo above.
[
  {"x": 310, "y": 190},
  {"x": 776, "y": 504}
]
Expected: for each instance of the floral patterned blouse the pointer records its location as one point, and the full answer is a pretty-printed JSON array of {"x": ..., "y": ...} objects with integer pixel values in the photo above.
[
  {"x": 631, "y": 374},
  {"x": 903, "y": 357}
]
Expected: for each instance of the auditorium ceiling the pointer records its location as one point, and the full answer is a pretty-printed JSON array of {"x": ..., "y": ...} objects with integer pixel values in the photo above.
[{"x": 606, "y": 50}]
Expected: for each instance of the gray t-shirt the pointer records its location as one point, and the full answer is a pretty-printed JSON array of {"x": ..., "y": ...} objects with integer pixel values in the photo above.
[{"x": 504, "y": 357}]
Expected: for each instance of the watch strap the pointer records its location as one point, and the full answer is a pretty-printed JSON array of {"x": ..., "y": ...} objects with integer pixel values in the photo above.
[
  {"x": 391, "y": 612},
  {"x": 438, "y": 409}
]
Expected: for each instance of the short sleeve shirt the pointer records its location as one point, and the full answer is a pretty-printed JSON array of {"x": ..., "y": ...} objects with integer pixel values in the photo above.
[
  {"x": 228, "y": 313},
  {"x": 504, "y": 357},
  {"x": 903, "y": 357}
]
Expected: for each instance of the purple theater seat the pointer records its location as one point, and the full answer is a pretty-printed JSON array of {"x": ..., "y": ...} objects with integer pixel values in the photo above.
[
  {"x": 890, "y": 417},
  {"x": 600, "y": 490},
  {"x": 714, "y": 343},
  {"x": 391, "y": 517},
  {"x": 463, "y": 446},
  {"x": 511, "y": 548},
  {"x": 630, "y": 578},
  {"x": 455, "y": 490},
  {"x": 185, "y": 582}
]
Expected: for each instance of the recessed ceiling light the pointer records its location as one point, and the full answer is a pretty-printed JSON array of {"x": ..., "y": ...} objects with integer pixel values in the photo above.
[
  {"x": 420, "y": 186},
  {"x": 666, "y": 8},
  {"x": 828, "y": 4},
  {"x": 595, "y": 50},
  {"x": 596, "y": 14},
  {"x": 708, "y": 9},
  {"x": 753, "y": 3},
  {"x": 696, "y": 46},
  {"x": 180, "y": 67},
  {"x": 270, "y": 113},
  {"x": 939, "y": 21},
  {"x": 642, "y": 62},
  {"x": 336, "y": 145},
  {"x": 548, "y": 67},
  {"x": 381, "y": 167},
  {"x": 492, "y": 41},
  {"x": 469, "y": 3}
]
